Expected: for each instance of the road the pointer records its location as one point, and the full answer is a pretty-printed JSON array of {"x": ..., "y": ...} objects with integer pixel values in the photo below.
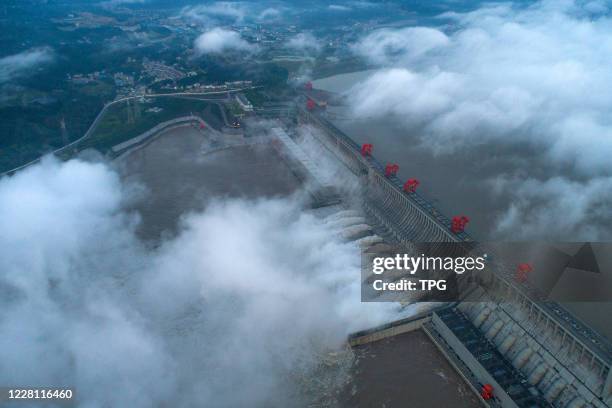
[{"x": 108, "y": 105}]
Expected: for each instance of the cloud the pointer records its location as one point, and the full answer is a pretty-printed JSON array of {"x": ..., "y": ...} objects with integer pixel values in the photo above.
[
  {"x": 238, "y": 309},
  {"x": 113, "y": 3},
  {"x": 536, "y": 73},
  {"x": 270, "y": 13},
  {"x": 237, "y": 12},
  {"x": 17, "y": 65},
  {"x": 219, "y": 40},
  {"x": 556, "y": 207},
  {"x": 305, "y": 42},
  {"x": 62, "y": 299},
  {"x": 363, "y": 4},
  {"x": 596, "y": 7},
  {"x": 435, "y": 105},
  {"x": 533, "y": 77},
  {"x": 391, "y": 86},
  {"x": 338, "y": 7},
  {"x": 387, "y": 45},
  {"x": 213, "y": 14}
]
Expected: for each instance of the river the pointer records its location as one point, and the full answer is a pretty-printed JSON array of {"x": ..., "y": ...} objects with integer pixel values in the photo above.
[{"x": 459, "y": 183}]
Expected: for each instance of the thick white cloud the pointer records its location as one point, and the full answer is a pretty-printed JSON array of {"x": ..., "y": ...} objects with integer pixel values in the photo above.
[
  {"x": 538, "y": 74},
  {"x": 534, "y": 77},
  {"x": 66, "y": 250},
  {"x": 16, "y": 65},
  {"x": 428, "y": 94},
  {"x": 237, "y": 310},
  {"x": 387, "y": 45},
  {"x": 219, "y": 40},
  {"x": 304, "y": 42}
]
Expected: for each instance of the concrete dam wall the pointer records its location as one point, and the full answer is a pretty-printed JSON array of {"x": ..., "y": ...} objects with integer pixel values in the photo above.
[{"x": 408, "y": 216}]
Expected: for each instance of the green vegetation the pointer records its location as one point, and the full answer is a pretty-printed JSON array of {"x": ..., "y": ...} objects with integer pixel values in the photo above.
[
  {"x": 30, "y": 123},
  {"x": 273, "y": 76},
  {"x": 124, "y": 121},
  {"x": 235, "y": 108},
  {"x": 256, "y": 97},
  {"x": 120, "y": 122},
  {"x": 99, "y": 89}
]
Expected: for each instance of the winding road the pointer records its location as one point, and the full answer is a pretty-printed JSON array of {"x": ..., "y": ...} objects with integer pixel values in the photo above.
[{"x": 108, "y": 105}]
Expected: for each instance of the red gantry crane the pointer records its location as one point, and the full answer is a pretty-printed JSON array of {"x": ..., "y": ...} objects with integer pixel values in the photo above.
[
  {"x": 458, "y": 223},
  {"x": 411, "y": 185},
  {"x": 522, "y": 270},
  {"x": 366, "y": 149},
  {"x": 391, "y": 169},
  {"x": 486, "y": 392}
]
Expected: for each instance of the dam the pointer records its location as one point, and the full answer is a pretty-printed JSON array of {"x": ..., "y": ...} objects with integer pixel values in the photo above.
[{"x": 531, "y": 353}]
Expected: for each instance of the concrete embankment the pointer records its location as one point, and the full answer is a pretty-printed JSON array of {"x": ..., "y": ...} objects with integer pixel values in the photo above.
[{"x": 154, "y": 132}]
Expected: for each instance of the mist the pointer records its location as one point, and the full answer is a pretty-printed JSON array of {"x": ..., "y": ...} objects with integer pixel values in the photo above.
[
  {"x": 24, "y": 63},
  {"x": 527, "y": 80},
  {"x": 220, "y": 40},
  {"x": 235, "y": 12},
  {"x": 237, "y": 309}
]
